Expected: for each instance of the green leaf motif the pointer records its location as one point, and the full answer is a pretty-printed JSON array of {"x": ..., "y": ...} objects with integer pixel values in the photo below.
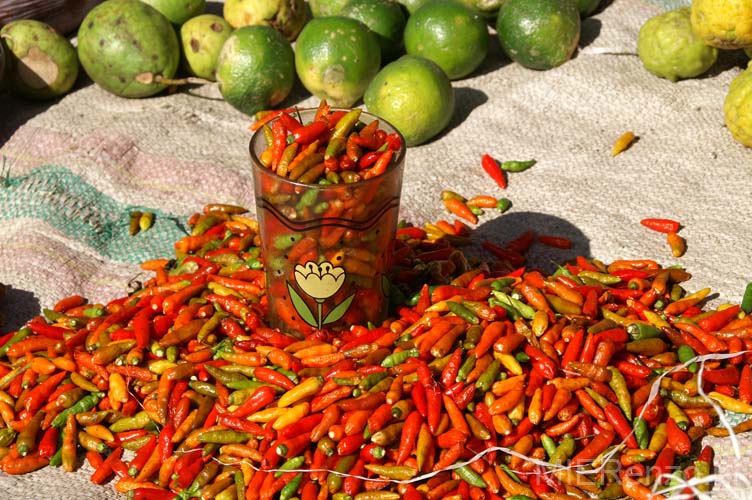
[
  {"x": 301, "y": 307},
  {"x": 339, "y": 311}
]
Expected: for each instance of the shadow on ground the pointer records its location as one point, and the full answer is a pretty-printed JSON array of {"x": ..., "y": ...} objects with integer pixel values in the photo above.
[
  {"x": 506, "y": 228},
  {"x": 18, "y": 307}
]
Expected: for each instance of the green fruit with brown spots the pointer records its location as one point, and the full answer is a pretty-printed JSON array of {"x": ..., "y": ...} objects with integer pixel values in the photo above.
[
  {"x": 128, "y": 48},
  {"x": 336, "y": 58},
  {"x": 256, "y": 69},
  {"x": 202, "y": 38},
  {"x": 285, "y": 16},
  {"x": 41, "y": 63},
  {"x": 178, "y": 11}
]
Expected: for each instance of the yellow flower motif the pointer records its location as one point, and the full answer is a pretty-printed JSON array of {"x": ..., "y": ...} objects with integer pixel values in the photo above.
[{"x": 319, "y": 281}]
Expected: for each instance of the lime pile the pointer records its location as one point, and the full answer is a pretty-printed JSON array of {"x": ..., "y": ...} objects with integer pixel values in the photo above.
[{"x": 685, "y": 43}]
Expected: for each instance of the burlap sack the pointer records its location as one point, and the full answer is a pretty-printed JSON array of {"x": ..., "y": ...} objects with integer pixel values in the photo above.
[{"x": 79, "y": 165}]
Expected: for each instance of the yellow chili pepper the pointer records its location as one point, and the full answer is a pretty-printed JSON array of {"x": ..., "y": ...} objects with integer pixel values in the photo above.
[
  {"x": 306, "y": 388},
  {"x": 623, "y": 143},
  {"x": 291, "y": 415},
  {"x": 729, "y": 403}
]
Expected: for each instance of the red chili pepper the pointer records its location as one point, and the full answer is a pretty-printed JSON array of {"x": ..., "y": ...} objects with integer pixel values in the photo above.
[
  {"x": 279, "y": 142},
  {"x": 290, "y": 123},
  {"x": 678, "y": 440},
  {"x": 303, "y": 426},
  {"x": 718, "y": 319},
  {"x": 309, "y": 133},
  {"x": 368, "y": 159},
  {"x": 381, "y": 164},
  {"x": 409, "y": 436},
  {"x": 543, "y": 363},
  {"x": 460, "y": 209},
  {"x": 745, "y": 384},
  {"x": 661, "y": 225},
  {"x": 418, "y": 393},
  {"x": 493, "y": 169},
  {"x": 621, "y": 425},
  {"x": 46, "y": 330},
  {"x": 165, "y": 442},
  {"x": 594, "y": 448},
  {"x": 142, "y": 455},
  {"x": 555, "y": 241},
  {"x": 273, "y": 377},
  {"x": 516, "y": 259},
  {"x": 48, "y": 444},
  {"x": 39, "y": 395},
  {"x": 722, "y": 376},
  {"x": 379, "y": 418}
]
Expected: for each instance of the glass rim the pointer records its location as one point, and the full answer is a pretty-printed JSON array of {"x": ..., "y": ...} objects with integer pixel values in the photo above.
[{"x": 397, "y": 161}]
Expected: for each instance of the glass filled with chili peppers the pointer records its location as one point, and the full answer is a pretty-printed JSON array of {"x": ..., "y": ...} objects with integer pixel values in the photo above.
[{"x": 327, "y": 184}]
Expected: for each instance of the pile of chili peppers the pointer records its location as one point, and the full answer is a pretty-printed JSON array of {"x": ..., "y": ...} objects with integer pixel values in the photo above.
[
  {"x": 335, "y": 147},
  {"x": 491, "y": 380}
]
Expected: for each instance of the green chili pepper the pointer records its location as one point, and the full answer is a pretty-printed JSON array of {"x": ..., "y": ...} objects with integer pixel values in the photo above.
[
  {"x": 519, "y": 497},
  {"x": 517, "y": 166},
  {"x": 548, "y": 444},
  {"x": 397, "y": 358},
  {"x": 343, "y": 466},
  {"x": 602, "y": 278},
  {"x": 639, "y": 331},
  {"x": 510, "y": 473},
  {"x": 398, "y": 472},
  {"x": 372, "y": 379},
  {"x": 466, "y": 367},
  {"x": 225, "y": 436},
  {"x": 307, "y": 199},
  {"x": 223, "y": 376},
  {"x": 612, "y": 491},
  {"x": 619, "y": 384},
  {"x": 8, "y": 378},
  {"x": 488, "y": 377},
  {"x": 641, "y": 432},
  {"x": 563, "y": 451},
  {"x": 84, "y": 404},
  {"x": 503, "y": 204},
  {"x": 208, "y": 472},
  {"x": 685, "y": 353},
  {"x": 501, "y": 283},
  {"x": 137, "y": 421},
  {"x": 57, "y": 459},
  {"x": 601, "y": 400},
  {"x": 470, "y": 476},
  {"x": 346, "y": 123},
  {"x": 290, "y": 464},
  {"x": 522, "y": 357},
  {"x": 136, "y": 443},
  {"x": 7, "y": 436},
  {"x": 21, "y": 334},
  {"x": 288, "y": 490},
  {"x": 683, "y": 400},
  {"x": 463, "y": 312}
]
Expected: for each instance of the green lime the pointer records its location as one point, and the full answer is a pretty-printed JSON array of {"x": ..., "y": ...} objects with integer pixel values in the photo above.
[
  {"x": 668, "y": 47},
  {"x": 737, "y": 108},
  {"x": 488, "y": 8},
  {"x": 449, "y": 33},
  {"x": 286, "y": 16},
  {"x": 413, "y": 94},
  {"x": 325, "y": 8},
  {"x": 202, "y": 38},
  {"x": 539, "y": 34},
  {"x": 256, "y": 68},
  {"x": 385, "y": 18},
  {"x": 42, "y": 64},
  {"x": 336, "y": 58},
  {"x": 178, "y": 11},
  {"x": 587, "y": 7}
]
